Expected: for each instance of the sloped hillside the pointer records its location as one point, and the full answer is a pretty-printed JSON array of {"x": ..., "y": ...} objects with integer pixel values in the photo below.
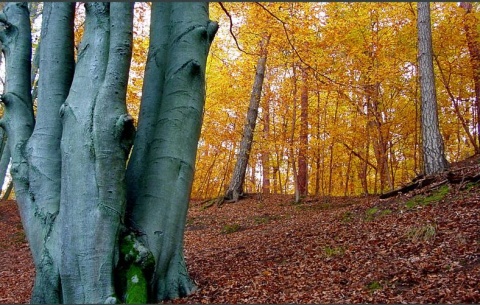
[{"x": 422, "y": 246}]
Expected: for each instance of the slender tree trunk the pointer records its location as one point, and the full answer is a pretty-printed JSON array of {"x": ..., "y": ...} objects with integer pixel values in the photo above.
[
  {"x": 473, "y": 40},
  {"x": 433, "y": 150},
  {"x": 347, "y": 174},
  {"x": 275, "y": 180},
  {"x": 376, "y": 133},
  {"x": 302, "y": 152},
  {"x": 456, "y": 107},
  {"x": 364, "y": 170},
  {"x": 253, "y": 180},
  {"x": 4, "y": 157},
  {"x": 8, "y": 191},
  {"x": 265, "y": 153},
  {"x": 4, "y": 151},
  {"x": 318, "y": 158},
  {"x": 291, "y": 154},
  {"x": 235, "y": 190},
  {"x": 205, "y": 192},
  {"x": 393, "y": 165},
  {"x": 332, "y": 153},
  {"x": 416, "y": 145},
  {"x": 223, "y": 184}
]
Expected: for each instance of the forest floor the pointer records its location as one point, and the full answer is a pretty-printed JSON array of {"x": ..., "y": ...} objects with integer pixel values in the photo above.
[{"x": 418, "y": 247}]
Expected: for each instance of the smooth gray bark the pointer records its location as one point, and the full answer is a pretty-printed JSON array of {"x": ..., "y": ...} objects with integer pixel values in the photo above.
[
  {"x": 96, "y": 128},
  {"x": 69, "y": 172},
  {"x": 56, "y": 63},
  {"x": 160, "y": 171},
  {"x": 18, "y": 120},
  {"x": 433, "y": 150},
  {"x": 235, "y": 189}
]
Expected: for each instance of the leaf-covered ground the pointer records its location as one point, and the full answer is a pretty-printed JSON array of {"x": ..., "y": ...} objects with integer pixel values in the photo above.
[
  {"x": 421, "y": 247},
  {"x": 16, "y": 266}
]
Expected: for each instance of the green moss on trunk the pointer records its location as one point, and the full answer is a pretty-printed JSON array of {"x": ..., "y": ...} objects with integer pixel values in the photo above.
[
  {"x": 136, "y": 292},
  {"x": 134, "y": 270}
]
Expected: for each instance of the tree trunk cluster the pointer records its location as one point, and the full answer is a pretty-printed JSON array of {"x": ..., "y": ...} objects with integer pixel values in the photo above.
[{"x": 99, "y": 233}]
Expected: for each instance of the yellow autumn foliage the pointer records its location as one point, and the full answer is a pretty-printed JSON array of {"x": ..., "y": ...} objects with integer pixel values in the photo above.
[{"x": 363, "y": 93}]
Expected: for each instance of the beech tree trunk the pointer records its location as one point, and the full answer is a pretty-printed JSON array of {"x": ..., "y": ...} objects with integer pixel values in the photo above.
[
  {"x": 43, "y": 150},
  {"x": 93, "y": 149},
  {"x": 432, "y": 142},
  {"x": 235, "y": 189},
  {"x": 160, "y": 171},
  {"x": 69, "y": 163}
]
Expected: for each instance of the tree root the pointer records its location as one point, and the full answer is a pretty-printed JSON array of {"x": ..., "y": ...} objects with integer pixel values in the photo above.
[{"x": 459, "y": 176}]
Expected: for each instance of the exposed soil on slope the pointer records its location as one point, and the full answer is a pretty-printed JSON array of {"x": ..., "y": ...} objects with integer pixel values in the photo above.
[{"x": 419, "y": 247}]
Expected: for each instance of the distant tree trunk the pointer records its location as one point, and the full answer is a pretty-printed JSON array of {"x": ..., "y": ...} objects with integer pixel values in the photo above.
[
  {"x": 266, "y": 152},
  {"x": 205, "y": 192},
  {"x": 223, "y": 184},
  {"x": 291, "y": 139},
  {"x": 473, "y": 40},
  {"x": 252, "y": 184},
  {"x": 432, "y": 142},
  {"x": 4, "y": 151},
  {"x": 275, "y": 179},
  {"x": 376, "y": 133},
  {"x": 364, "y": 167},
  {"x": 416, "y": 145},
  {"x": 8, "y": 191},
  {"x": 235, "y": 190},
  {"x": 348, "y": 173},
  {"x": 4, "y": 157},
  {"x": 320, "y": 161},
  {"x": 275, "y": 159},
  {"x": 302, "y": 152},
  {"x": 393, "y": 164},
  {"x": 332, "y": 154},
  {"x": 456, "y": 107}
]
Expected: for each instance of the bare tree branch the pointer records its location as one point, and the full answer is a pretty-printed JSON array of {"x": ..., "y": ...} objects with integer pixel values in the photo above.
[
  {"x": 231, "y": 30},
  {"x": 290, "y": 41}
]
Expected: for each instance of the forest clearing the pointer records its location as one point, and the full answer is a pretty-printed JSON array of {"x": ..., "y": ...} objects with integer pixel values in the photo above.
[{"x": 419, "y": 247}]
